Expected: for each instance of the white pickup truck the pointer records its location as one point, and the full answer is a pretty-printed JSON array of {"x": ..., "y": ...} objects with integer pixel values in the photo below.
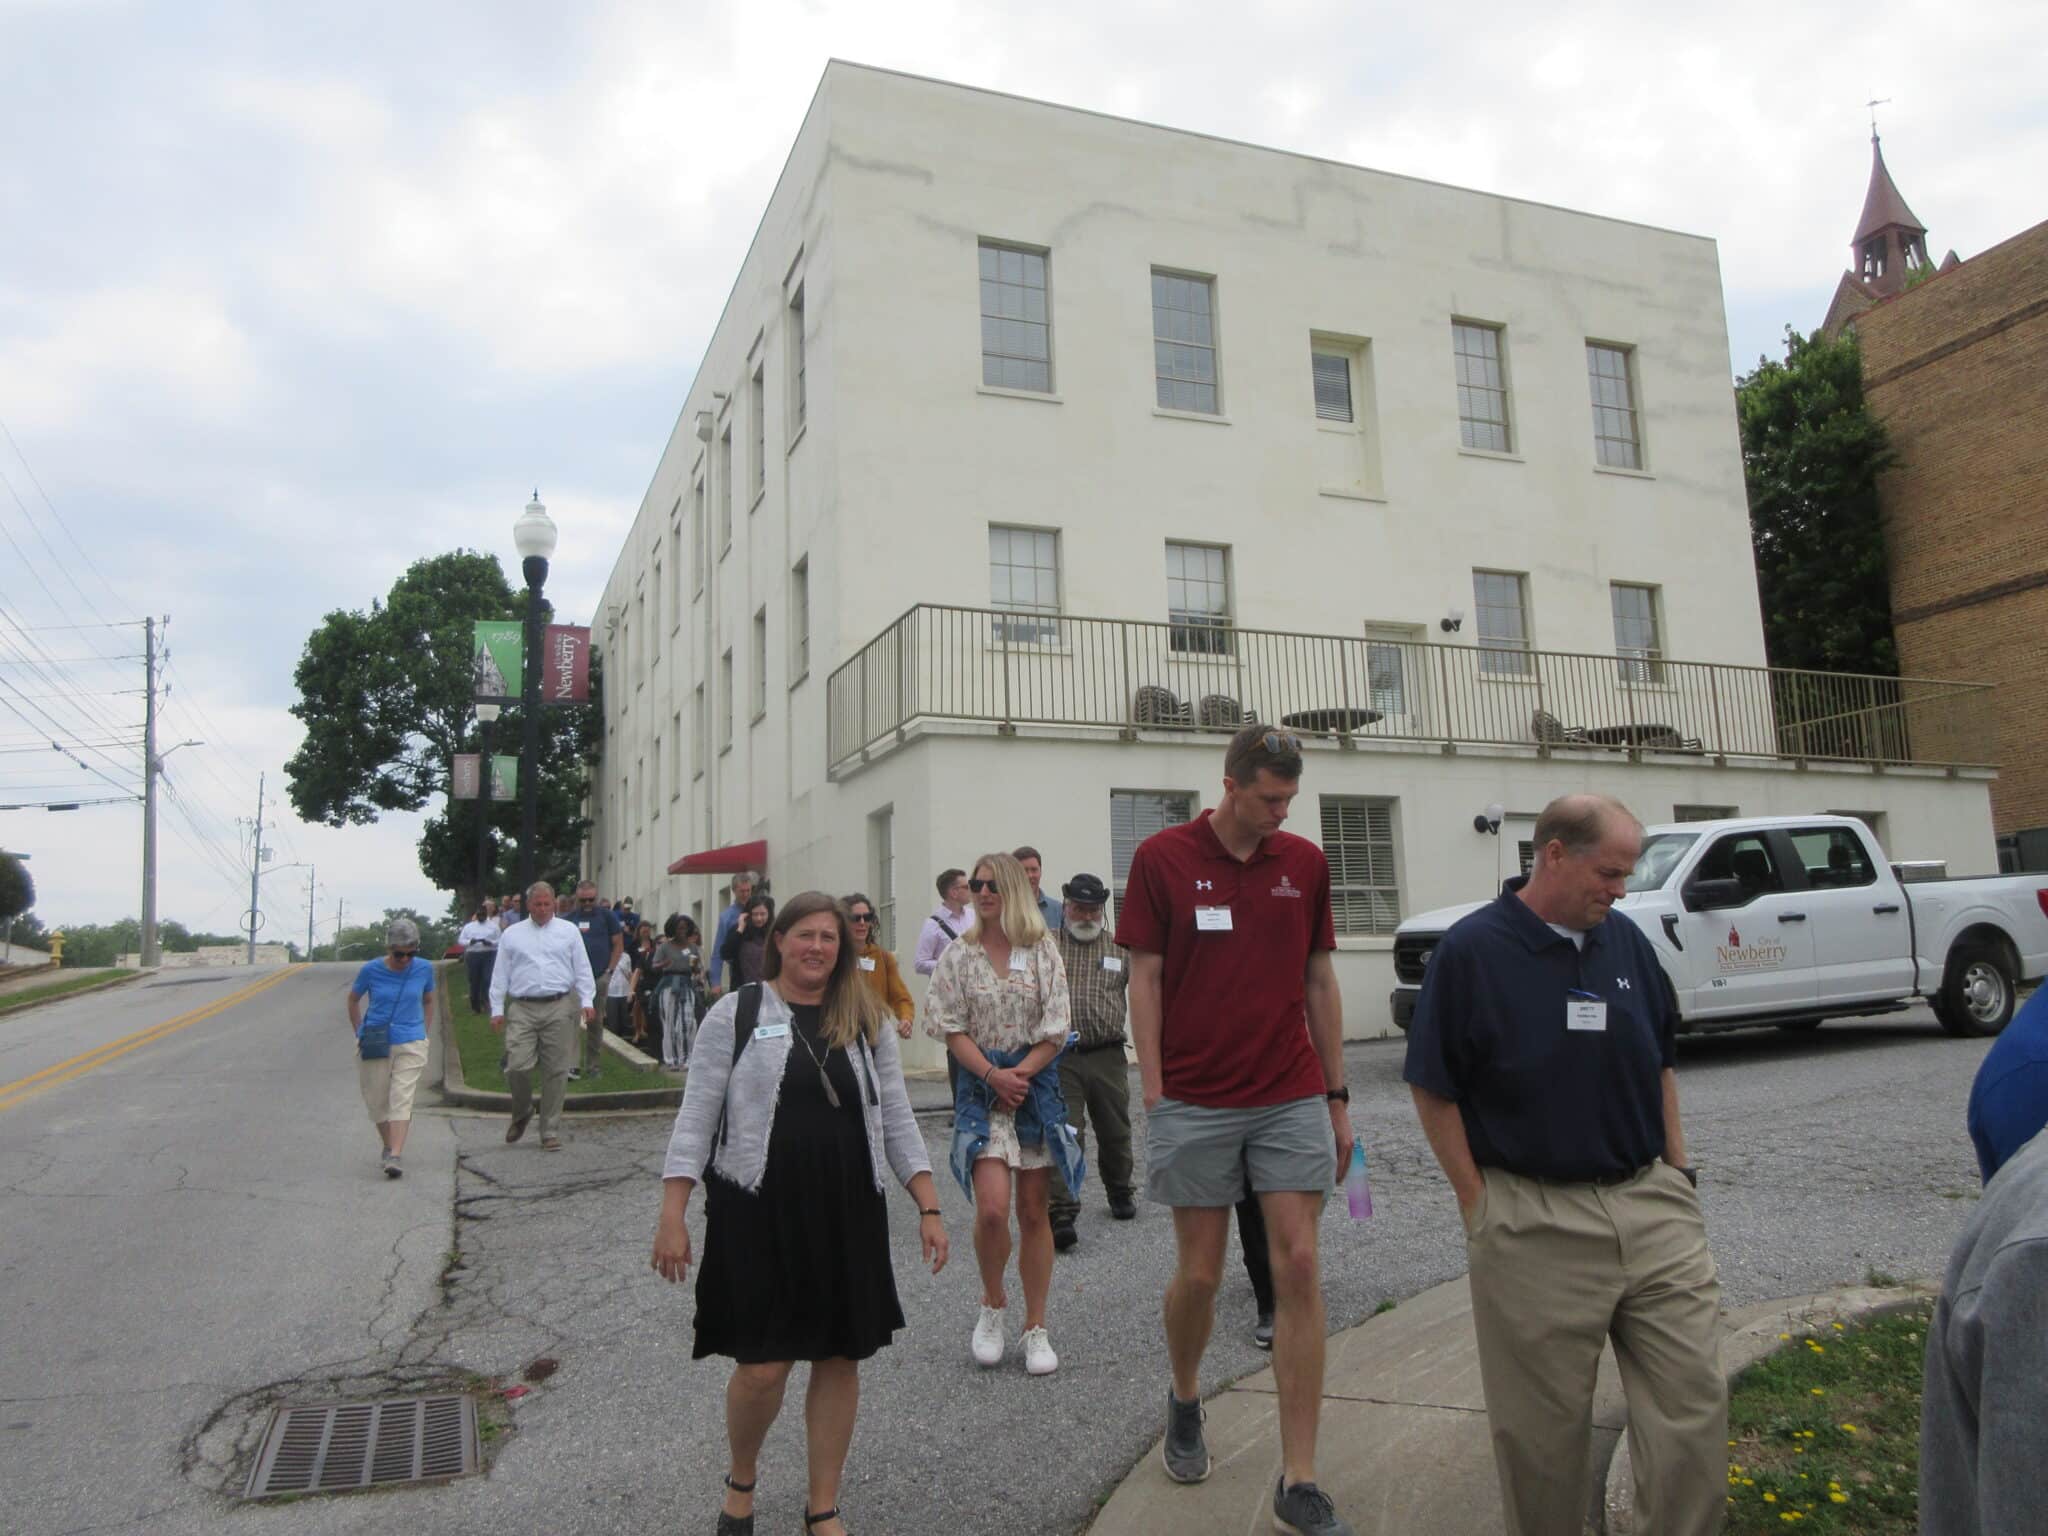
[{"x": 1791, "y": 920}]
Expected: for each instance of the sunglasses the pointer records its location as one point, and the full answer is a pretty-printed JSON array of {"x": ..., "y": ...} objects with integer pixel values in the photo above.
[
  {"x": 403, "y": 954},
  {"x": 1281, "y": 741},
  {"x": 861, "y": 917},
  {"x": 978, "y": 886}
]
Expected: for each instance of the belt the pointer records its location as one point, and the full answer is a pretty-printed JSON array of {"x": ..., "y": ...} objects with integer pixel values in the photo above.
[
  {"x": 1607, "y": 1180},
  {"x": 541, "y": 997},
  {"x": 1100, "y": 1045}
]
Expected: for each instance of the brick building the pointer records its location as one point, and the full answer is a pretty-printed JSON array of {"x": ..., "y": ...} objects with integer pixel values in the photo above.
[{"x": 1957, "y": 368}]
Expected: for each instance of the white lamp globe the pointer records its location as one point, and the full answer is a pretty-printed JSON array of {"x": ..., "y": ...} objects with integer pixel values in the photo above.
[{"x": 534, "y": 534}]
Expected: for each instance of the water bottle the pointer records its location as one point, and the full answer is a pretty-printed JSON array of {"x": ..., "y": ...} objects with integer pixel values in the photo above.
[{"x": 1357, "y": 1190}]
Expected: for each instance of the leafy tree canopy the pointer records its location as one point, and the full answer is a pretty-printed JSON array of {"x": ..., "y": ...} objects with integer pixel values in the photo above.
[
  {"x": 17, "y": 888},
  {"x": 1812, "y": 453}
]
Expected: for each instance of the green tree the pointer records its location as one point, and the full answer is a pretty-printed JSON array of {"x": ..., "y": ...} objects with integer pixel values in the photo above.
[
  {"x": 1811, "y": 454},
  {"x": 387, "y": 701},
  {"x": 27, "y": 932},
  {"x": 17, "y": 889}
]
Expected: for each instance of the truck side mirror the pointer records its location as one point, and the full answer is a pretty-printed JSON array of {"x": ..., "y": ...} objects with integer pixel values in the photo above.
[{"x": 1709, "y": 895}]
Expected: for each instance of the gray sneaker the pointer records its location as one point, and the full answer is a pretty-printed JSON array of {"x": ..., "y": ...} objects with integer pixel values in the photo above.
[
  {"x": 1305, "y": 1510},
  {"x": 1183, "y": 1451}
]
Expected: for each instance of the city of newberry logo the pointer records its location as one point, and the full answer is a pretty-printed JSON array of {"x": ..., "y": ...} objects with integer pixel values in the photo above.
[
  {"x": 1756, "y": 955},
  {"x": 1287, "y": 887}
]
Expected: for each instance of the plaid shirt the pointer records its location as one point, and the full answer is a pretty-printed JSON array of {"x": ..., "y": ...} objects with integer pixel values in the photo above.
[{"x": 1097, "y": 975}]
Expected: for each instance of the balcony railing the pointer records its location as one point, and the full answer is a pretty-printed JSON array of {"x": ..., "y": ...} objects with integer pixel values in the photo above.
[{"x": 994, "y": 667}]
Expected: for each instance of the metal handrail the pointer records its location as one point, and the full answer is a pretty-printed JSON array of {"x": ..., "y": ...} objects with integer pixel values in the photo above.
[{"x": 1000, "y": 667}]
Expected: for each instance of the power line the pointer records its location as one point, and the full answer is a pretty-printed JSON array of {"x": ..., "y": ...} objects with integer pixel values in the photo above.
[
  {"x": 64, "y": 527},
  {"x": 49, "y": 629}
]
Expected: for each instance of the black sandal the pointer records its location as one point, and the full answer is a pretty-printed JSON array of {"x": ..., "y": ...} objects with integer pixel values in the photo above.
[
  {"x": 736, "y": 1525},
  {"x": 811, "y": 1519}
]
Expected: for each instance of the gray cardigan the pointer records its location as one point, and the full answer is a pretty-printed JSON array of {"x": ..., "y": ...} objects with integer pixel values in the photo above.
[{"x": 749, "y": 1095}]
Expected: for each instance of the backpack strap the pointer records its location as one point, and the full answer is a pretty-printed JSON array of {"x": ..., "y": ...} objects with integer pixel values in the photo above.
[
  {"x": 948, "y": 932},
  {"x": 745, "y": 1017}
]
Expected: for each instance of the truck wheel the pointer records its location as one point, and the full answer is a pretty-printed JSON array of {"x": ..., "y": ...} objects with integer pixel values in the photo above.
[{"x": 1977, "y": 994}]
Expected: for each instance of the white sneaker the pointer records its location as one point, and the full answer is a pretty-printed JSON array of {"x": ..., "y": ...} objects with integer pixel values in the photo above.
[
  {"x": 1039, "y": 1360},
  {"x": 988, "y": 1337}
]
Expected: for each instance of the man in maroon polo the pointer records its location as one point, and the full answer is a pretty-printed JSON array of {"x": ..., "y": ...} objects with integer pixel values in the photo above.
[{"x": 1239, "y": 1031}]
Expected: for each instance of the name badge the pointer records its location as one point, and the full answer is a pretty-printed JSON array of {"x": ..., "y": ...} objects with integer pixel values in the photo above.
[
  {"x": 1582, "y": 1013},
  {"x": 1112, "y": 963},
  {"x": 866, "y": 964},
  {"x": 1018, "y": 961},
  {"x": 1212, "y": 920},
  {"x": 771, "y": 1031}
]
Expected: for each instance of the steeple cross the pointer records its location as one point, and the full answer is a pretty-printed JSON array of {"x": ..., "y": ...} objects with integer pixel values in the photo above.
[{"x": 1873, "y": 104}]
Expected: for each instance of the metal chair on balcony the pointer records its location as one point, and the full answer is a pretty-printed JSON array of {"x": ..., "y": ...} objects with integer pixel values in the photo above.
[
  {"x": 1154, "y": 705},
  {"x": 1550, "y": 731},
  {"x": 1220, "y": 711}
]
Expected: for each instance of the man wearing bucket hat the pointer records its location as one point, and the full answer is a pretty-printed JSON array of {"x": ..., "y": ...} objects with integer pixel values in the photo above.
[{"x": 1093, "y": 1075}]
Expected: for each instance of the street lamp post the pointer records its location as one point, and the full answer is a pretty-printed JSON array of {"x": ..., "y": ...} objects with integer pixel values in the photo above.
[
  {"x": 534, "y": 535},
  {"x": 486, "y": 785}
]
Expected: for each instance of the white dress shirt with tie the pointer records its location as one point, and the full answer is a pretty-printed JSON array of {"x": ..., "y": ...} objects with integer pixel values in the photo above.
[{"x": 541, "y": 960}]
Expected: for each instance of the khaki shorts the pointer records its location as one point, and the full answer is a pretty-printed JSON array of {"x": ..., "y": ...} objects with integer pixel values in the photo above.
[
  {"x": 388, "y": 1082},
  {"x": 1199, "y": 1156}
]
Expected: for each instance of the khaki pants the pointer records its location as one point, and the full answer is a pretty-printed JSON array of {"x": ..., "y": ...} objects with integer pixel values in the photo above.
[
  {"x": 1556, "y": 1271},
  {"x": 1097, "y": 1083},
  {"x": 543, "y": 1036},
  {"x": 389, "y": 1082}
]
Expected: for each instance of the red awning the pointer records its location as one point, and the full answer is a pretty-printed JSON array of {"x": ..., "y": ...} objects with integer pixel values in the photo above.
[{"x": 731, "y": 860}]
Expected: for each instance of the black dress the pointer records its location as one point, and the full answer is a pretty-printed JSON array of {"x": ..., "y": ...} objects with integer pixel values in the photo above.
[{"x": 800, "y": 1270}]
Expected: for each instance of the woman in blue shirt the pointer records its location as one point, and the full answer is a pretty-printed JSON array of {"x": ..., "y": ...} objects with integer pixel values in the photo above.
[{"x": 388, "y": 1000}]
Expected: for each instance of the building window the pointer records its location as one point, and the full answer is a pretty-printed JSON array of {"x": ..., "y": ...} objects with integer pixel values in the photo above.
[
  {"x": 797, "y": 400},
  {"x": 725, "y": 701},
  {"x": 1198, "y": 599},
  {"x": 725, "y": 491},
  {"x": 1636, "y": 640},
  {"x": 675, "y": 772},
  {"x": 1184, "y": 341},
  {"x": 1331, "y": 374},
  {"x": 653, "y": 790},
  {"x": 760, "y": 414},
  {"x": 800, "y": 621},
  {"x": 1500, "y": 599},
  {"x": 760, "y": 662},
  {"x": 1365, "y": 885},
  {"x": 1134, "y": 815},
  {"x": 1024, "y": 577},
  {"x": 1388, "y": 652},
  {"x": 882, "y": 869},
  {"x": 675, "y": 561},
  {"x": 1610, "y": 372},
  {"x": 1704, "y": 813},
  {"x": 625, "y": 806},
  {"x": 1016, "y": 319},
  {"x": 697, "y": 517},
  {"x": 700, "y": 735},
  {"x": 1482, "y": 387},
  {"x": 1525, "y": 855}
]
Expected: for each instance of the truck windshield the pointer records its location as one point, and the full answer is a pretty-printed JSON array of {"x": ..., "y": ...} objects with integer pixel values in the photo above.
[{"x": 1661, "y": 852}]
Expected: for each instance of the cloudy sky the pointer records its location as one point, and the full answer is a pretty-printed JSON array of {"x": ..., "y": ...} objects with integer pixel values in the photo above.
[{"x": 290, "y": 296}]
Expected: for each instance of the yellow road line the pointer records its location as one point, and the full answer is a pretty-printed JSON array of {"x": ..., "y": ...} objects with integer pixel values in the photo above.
[{"x": 28, "y": 1087}]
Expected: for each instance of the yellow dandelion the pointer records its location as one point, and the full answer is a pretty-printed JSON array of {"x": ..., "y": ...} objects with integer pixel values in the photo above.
[
  {"x": 1770, "y": 1498},
  {"x": 1838, "y": 1327},
  {"x": 1849, "y": 1429},
  {"x": 1838, "y": 1497},
  {"x": 1784, "y": 1335},
  {"x": 1817, "y": 1392}
]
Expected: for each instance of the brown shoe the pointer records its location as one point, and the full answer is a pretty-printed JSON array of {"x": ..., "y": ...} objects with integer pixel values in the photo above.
[
  {"x": 516, "y": 1129},
  {"x": 551, "y": 1143}
]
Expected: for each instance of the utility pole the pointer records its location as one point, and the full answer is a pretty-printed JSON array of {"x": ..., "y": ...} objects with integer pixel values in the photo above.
[
  {"x": 255, "y": 874},
  {"x": 152, "y": 952},
  {"x": 340, "y": 906},
  {"x": 312, "y": 887}
]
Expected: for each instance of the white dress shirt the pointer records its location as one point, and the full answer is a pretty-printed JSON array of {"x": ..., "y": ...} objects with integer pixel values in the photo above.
[
  {"x": 541, "y": 960},
  {"x": 484, "y": 933}
]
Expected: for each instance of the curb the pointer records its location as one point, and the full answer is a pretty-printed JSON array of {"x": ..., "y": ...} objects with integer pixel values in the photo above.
[
  {"x": 455, "y": 1090},
  {"x": 100, "y": 984},
  {"x": 1750, "y": 1335}
]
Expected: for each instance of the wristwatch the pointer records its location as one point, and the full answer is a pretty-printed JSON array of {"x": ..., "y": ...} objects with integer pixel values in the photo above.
[{"x": 1339, "y": 1095}]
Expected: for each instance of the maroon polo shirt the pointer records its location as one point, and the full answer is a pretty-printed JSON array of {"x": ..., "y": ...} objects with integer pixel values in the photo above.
[{"x": 1234, "y": 1031}]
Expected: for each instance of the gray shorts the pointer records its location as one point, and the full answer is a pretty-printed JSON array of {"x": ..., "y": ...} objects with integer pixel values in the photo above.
[{"x": 1197, "y": 1156}]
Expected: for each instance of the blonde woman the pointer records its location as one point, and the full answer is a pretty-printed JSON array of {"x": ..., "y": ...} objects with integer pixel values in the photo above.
[
  {"x": 999, "y": 1001},
  {"x": 794, "y": 1110}
]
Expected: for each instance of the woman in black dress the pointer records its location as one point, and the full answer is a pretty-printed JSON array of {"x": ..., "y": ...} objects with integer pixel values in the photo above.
[{"x": 794, "y": 1104}]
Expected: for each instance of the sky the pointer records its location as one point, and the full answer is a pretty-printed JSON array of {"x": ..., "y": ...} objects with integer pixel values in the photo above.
[{"x": 293, "y": 296}]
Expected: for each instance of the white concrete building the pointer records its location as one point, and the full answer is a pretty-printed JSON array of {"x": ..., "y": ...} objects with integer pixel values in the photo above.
[{"x": 1034, "y": 445}]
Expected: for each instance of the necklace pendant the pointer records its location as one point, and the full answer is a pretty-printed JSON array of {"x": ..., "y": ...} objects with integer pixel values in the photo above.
[{"x": 831, "y": 1093}]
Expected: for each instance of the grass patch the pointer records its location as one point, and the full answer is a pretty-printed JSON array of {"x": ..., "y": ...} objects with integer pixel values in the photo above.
[
  {"x": 1825, "y": 1434},
  {"x": 481, "y": 1046},
  {"x": 87, "y": 981}
]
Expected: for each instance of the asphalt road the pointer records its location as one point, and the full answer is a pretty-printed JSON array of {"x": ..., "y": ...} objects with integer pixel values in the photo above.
[{"x": 1826, "y": 1157}]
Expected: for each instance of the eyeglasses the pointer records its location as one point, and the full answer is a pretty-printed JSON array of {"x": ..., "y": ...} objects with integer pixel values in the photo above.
[{"x": 978, "y": 886}]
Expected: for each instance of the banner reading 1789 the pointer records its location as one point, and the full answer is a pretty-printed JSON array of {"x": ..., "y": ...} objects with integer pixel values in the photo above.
[{"x": 496, "y": 664}]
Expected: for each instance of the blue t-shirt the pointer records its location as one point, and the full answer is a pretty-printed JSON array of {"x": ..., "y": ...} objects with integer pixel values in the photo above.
[
  {"x": 396, "y": 997},
  {"x": 597, "y": 927},
  {"x": 2009, "y": 1099}
]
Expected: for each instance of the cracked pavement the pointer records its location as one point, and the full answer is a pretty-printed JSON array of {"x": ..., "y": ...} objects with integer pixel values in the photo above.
[{"x": 202, "y": 1234}]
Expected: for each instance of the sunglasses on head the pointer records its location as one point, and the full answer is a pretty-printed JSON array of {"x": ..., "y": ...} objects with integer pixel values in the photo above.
[
  {"x": 1282, "y": 741},
  {"x": 978, "y": 886}
]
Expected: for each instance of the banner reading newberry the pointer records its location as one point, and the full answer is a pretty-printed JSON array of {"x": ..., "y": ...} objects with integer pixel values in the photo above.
[
  {"x": 565, "y": 665},
  {"x": 468, "y": 774},
  {"x": 495, "y": 661}
]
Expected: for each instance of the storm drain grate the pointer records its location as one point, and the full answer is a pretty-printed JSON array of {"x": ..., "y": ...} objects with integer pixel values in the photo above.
[{"x": 334, "y": 1447}]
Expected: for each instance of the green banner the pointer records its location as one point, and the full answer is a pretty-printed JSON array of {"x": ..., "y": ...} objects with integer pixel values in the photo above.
[
  {"x": 505, "y": 778},
  {"x": 496, "y": 661}
]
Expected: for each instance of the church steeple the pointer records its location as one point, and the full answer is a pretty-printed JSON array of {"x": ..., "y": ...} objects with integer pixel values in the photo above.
[{"x": 1890, "y": 243}]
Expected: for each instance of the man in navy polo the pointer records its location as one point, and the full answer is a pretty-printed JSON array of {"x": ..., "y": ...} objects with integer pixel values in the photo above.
[
  {"x": 604, "y": 940},
  {"x": 1238, "y": 1024},
  {"x": 1540, "y": 1058}
]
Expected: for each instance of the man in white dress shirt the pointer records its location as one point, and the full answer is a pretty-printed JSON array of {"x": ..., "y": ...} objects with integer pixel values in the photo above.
[{"x": 541, "y": 965}]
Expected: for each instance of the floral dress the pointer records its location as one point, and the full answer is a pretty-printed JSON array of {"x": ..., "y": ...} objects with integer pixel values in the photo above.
[{"x": 1008, "y": 1012}]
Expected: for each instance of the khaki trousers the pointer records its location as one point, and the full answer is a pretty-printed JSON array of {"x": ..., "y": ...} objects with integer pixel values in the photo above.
[
  {"x": 1098, "y": 1084},
  {"x": 1556, "y": 1271},
  {"x": 540, "y": 1036}
]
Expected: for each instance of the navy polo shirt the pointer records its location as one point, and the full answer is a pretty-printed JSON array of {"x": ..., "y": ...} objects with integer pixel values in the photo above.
[{"x": 1537, "y": 1098}]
